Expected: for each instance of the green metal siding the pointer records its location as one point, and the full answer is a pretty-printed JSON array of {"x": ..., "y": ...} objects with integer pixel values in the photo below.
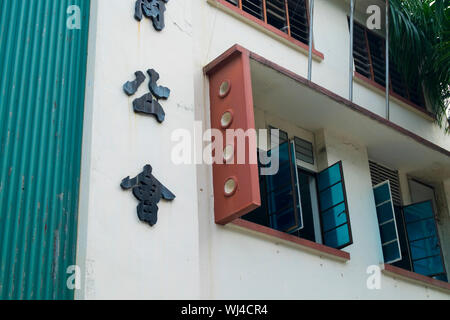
[{"x": 42, "y": 83}]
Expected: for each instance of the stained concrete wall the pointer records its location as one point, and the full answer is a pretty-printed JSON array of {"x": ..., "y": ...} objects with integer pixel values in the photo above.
[{"x": 120, "y": 256}]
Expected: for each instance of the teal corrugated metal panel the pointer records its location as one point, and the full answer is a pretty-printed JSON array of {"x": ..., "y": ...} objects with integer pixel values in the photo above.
[{"x": 42, "y": 83}]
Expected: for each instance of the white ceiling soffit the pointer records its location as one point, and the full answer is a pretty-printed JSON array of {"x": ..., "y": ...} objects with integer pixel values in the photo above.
[{"x": 310, "y": 109}]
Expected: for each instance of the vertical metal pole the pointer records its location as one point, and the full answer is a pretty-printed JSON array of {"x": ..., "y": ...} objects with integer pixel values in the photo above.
[
  {"x": 387, "y": 60},
  {"x": 311, "y": 17},
  {"x": 350, "y": 75}
]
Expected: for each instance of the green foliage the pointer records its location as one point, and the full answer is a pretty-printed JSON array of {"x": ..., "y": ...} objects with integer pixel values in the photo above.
[{"x": 420, "y": 47}]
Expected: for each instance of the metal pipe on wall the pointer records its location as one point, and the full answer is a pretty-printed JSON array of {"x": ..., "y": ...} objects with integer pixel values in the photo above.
[
  {"x": 350, "y": 80},
  {"x": 311, "y": 17},
  {"x": 387, "y": 61}
]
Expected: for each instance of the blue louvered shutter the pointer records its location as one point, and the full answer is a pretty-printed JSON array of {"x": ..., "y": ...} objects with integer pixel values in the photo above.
[
  {"x": 426, "y": 254},
  {"x": 387, "y": 222},
  {"x": 336, "y": 229}
]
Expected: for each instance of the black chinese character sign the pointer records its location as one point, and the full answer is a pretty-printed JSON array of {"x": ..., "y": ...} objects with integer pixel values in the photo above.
[
  {"x": 152, "y": 9},
  {"x": 149, "y": 191},
  {"x": 147, "y": 104},
  {"x": 131, "y": 87}
]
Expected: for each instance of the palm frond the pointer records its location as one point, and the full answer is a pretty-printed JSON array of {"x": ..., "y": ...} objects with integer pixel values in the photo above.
[{"x": 420, "y": 47}]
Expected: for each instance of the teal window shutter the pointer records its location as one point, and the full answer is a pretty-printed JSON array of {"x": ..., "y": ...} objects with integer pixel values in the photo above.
[
  {"x": 336, "y": 229},
  {"x": 260, "y": 215},
  {"x": 387, "y": 222},
  {"x": 296, "y": 186},
  {"x": 283, "y": 195},
  {"x": 426, "y": 254}
]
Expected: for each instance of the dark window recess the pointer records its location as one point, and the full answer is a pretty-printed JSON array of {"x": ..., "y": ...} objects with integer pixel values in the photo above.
[
  {"x": 369, "y": 55},
  {"x": 260, "y": 215},
  {"x": 397, "y": 81},
  {"x": 380, "y": 174},
  {"x": 276, "y": 14},
  {"x": 424, "y": 244},
  {"x": 253, "y": 7},
  {"x": 234, "y": 2},
  {"x": 304, "y": 150},
  {"x": 387, "y": 223},
  {"x": 298, "y": 20},
  {"x": 405, "y": 263},
  {"x": 282, "y": 192},
  {"x": 410, "y": 92},
  {"x": 377, "y": 56},
  {"x": 360, "y": 52},
  {"x": 280, "y": 204},
  {"x": 416, "y": 94},
  {"x": 305, "y": 178},
  {"x": 289, "y": 16}
]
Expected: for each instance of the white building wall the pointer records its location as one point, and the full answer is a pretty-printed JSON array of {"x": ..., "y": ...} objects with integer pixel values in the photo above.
[
  {"x": 120, "y": 256},
  {"x": 186, "y": 255}
]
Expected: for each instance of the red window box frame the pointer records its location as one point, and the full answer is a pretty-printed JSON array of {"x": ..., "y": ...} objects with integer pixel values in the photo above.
[
  {"x": 305, "y": 48},
  {"x": 233, "y": 67},
  {"x": 252, "y": 199}
]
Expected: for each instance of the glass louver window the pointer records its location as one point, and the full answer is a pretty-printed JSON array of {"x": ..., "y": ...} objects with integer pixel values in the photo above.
[
  {"x": 425, "y": 248},
  {"x": 369, "y": 56},
  {"x": 304, "y": 150},
  {"x": 387, "y": 222}
]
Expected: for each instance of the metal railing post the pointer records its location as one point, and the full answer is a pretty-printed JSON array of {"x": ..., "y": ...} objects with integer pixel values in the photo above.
[
  {"x": 387, "y": 61},
  {"x": 350, "y": 80},
  {"x": 311, "y": 17}
]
